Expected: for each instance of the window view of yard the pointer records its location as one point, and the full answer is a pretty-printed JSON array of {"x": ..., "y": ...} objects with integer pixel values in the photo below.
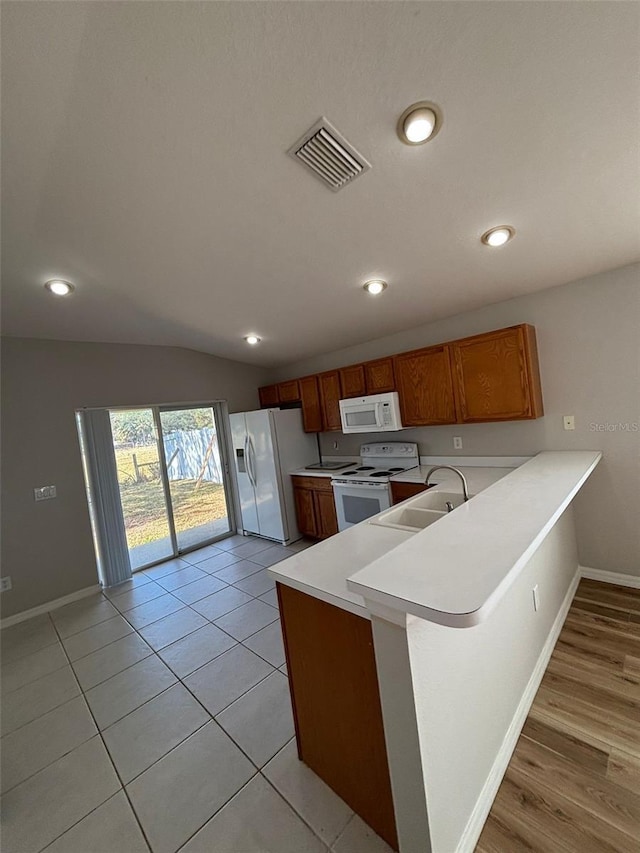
[{"x": 195, "y": 480}]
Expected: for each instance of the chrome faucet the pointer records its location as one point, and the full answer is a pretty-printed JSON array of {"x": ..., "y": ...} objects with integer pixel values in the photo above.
[{"x": 465, "y": 490}]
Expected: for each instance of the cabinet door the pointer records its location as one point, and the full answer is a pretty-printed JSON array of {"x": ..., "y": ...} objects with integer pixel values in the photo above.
[
  {"x": 402, "y": 491},
  {"x": 311, "y": 410},
  {"x": 268, "y": 396},
  {"x": 289, "y": 392},
  {"x": 329, "y": 384},
  {"x": 379, "y": 378},
  {"x": 305, "y": 511},
  {"x": 326, "y": 518},
  {"x": 352, "y": 381},
  {"x": 497, "y": 376},
  {"x": 425, "y": 386},
  {"x": 336, "y": 704}
]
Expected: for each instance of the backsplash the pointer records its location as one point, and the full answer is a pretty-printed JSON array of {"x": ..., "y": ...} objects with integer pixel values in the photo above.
[{"x": 515, "y": 438}]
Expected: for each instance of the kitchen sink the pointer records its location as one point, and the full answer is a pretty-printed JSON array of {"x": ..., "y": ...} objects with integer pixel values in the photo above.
[
  {"x": 408, "y": 518},
  {"x": 422, "y": 512},
  {"x": 438, "y": 500}
]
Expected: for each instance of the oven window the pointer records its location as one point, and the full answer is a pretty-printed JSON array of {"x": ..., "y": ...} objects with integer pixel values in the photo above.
[
  {"x": 358, "y": 508},
  {"x": 367, "y": 417}
]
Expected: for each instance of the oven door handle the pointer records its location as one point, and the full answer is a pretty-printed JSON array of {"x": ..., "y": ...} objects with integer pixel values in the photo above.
[{"x": 360, "y": 487}]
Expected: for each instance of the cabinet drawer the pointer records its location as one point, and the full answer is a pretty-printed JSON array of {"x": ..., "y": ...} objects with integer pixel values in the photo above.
[{"x": 315, "y": 484}]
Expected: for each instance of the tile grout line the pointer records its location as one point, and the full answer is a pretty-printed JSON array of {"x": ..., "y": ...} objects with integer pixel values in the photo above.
[
  {"x": 115, "y": 769},
  {"x": 179, "y": 680}
]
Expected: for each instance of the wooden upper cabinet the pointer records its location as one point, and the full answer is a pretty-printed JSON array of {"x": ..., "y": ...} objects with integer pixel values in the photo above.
[
  {"x": 352, "y": 381},
  {"x": 425, "y": 386},
  {"x": 289, "y": 392},
  {"x": 311, "y": 409},
  {"x": 378, "y": 375},
  {"x": 497, "y": 376},
  {"x": 268, "y": 396},
  {"x": 329, "y": 385}
]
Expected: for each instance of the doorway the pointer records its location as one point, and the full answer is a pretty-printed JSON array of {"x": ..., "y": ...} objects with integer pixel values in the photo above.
[{"x": 172, "y": 479}]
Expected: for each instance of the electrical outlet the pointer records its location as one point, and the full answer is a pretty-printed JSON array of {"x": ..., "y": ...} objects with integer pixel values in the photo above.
[
  {"x": 45, "y": 493},
  {"x": 536, "y": 598},
  {"x": 457, "y": 442},
  {"x": 569, "y": 422},
  {"x": 5, "y": 584}
]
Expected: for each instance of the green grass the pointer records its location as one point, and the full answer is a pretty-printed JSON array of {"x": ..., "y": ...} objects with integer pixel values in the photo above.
[{"x": 143, "y": 503}]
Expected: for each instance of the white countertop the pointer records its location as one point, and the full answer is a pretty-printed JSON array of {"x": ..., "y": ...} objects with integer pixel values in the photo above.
[
  {"x": 477, "y": 478},
  {"x": 323, "y": 569},
  {"x": 456, "y": 570}
]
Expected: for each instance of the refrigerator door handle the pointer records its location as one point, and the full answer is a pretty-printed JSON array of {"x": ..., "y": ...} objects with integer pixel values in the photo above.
[
  {"x": 251, "y": 463},
  {"x": 246, "y": 459}
]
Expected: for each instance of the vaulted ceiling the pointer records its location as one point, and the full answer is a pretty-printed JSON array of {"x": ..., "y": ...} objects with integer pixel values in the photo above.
[{"x": 144, "y": 159}]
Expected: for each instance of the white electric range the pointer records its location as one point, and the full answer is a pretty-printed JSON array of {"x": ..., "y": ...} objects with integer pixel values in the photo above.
[{"x": 361, "y": 491}]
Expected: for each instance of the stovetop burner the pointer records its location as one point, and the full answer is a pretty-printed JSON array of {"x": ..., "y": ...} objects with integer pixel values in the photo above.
[
  {"x": 381, "y": 474},
  {"x": 365, "y": 468}
]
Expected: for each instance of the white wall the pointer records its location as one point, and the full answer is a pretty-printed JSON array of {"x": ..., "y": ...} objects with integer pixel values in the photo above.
[
  {"x": 467, "y": 687},
  {"x": 589, "y": 344},
  {"x": 47, "y": 547}
]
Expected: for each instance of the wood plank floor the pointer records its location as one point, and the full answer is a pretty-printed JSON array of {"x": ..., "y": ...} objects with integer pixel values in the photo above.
[{"x": 573, "y": 782}]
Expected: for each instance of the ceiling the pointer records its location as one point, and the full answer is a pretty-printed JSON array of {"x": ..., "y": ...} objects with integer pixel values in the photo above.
[{"x": 144, "y": 159}]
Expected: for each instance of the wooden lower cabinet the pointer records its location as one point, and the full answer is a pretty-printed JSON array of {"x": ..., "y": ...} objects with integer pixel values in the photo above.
[
  {"x": 315, "y": 507},
  {"x": 402, "y": 491},
  {"x": 336, "y": 704}
]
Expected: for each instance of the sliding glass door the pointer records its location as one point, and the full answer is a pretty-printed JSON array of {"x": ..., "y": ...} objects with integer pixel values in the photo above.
[
  {"x": 145, "y": 509},
  {"x": 195, "y": 475},
  {"x": 171, "y": 479}
]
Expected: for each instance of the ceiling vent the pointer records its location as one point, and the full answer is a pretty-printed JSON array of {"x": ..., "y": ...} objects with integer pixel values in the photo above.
[{"x": 327, "y": 154}]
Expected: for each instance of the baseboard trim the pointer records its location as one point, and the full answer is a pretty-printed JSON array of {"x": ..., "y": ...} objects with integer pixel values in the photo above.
[
  {"x": 619, "y": 578},
  {"x": 483, "y": 805},
  {"x": 50, "y": 605}
]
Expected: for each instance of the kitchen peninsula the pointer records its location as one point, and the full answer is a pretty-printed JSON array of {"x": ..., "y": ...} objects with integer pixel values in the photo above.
[{"x": 414, "y": 656}]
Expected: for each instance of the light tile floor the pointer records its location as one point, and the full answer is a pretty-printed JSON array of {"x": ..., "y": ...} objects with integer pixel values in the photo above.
[{"x": 156, "y": 717}]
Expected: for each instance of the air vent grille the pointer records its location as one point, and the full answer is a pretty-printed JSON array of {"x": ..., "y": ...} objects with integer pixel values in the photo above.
[{"x": 329, "y": 156}]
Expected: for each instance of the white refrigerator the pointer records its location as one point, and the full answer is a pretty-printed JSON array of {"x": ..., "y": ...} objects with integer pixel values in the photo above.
[{"x": 267, "y": 446}]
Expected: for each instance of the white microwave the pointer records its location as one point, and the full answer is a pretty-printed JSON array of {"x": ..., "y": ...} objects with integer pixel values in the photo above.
[{"x": 375, "y": 413}]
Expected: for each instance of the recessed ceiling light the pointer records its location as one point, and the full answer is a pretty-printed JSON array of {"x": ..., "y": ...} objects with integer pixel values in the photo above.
[
  {"x": 375, "y": 286},
  {"x": 419, "y": 123},
  {"x": 252, "y": 339},
  {"x": 498, "y": 236},
  {"x": 59, "y": 287}
]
